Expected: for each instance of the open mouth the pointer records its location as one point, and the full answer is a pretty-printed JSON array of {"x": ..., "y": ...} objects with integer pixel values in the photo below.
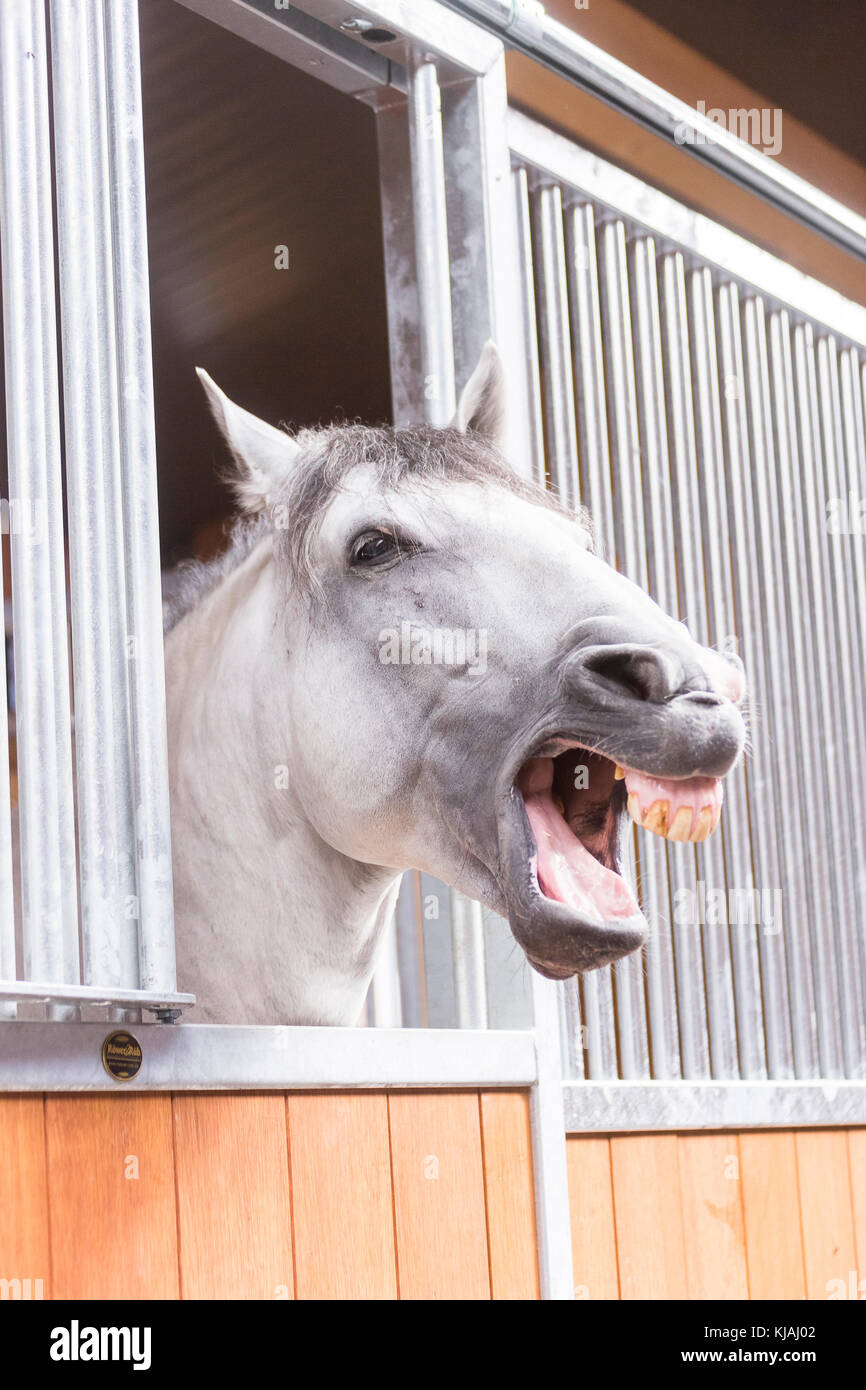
[{"x": 560, "y": 840}]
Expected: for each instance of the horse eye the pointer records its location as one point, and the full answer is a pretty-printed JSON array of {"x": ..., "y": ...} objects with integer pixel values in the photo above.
[{"x": 374, "y": 547}]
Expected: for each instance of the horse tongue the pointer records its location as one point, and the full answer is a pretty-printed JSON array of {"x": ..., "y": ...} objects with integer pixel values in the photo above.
[
  {"x": 678, "y": 810},
  {"x": 567, "y": 872}
]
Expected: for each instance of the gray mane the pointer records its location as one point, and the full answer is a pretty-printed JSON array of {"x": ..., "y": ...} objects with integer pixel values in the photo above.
[
  {"x": 327, "y": 458},
  {"x": 184, "y": 586}
]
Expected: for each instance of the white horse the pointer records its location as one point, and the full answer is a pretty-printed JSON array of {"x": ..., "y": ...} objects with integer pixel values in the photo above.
[{"x": 410, "y": 658}]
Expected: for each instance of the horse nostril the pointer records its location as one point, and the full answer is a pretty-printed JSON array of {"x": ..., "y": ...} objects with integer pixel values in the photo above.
[
  {"x": 644, "y": 673},
  {"x": 707, "y": 698}
]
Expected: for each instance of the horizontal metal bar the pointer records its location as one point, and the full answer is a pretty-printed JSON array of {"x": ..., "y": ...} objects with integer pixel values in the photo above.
[
  {"x": 621, "y": 1107},
  {"x": 524, "y": 26},
  {"x": 46, "y": 992},
  {"x": 630, "y": 197},
  {"x": 202, "y": 1057}
]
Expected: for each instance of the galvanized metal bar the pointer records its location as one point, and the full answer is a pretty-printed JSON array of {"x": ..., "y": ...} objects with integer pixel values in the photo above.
[
  {"x": 535, "y": 432},
  {"x": 482, "y": 238},
  {"x": 467, "y": 946},
  {"x": 707, "y": 864},
  {"x": 398, "y": 241},
  {"x": 431, "y": 243},
  {"x": 46, "y": 824},
  {"x": 629, "y": 535},
  {"x": 552, "y": 294},
  {"x": 843, "y": 579},
  {"x": 204, "y": 1057},
  {"x": 525, "y": 26},
  {"x": 553, "y": 1233},
  {"x": 660, "y": 573},
  {"x": 804, "y": 639},
  {"x": 750, "y": 585},
  {"x": 720, "y": 631},
  {"x": 624, "y": 195},
  {"x": 828, "y": 654},
  {"x": 622, "y": 1107},
  {"x": 595, "y": 490},
  {"x": 410, "y": 953},
  {"x": 791, "y": 844},
  {"x": 144, "y": 638},
  {"x": 435, "y": 923},
  {"x": 95, "y": 526}
]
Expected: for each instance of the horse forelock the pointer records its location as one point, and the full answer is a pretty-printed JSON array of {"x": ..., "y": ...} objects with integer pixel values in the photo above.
[{"x": 327, "y": 458}]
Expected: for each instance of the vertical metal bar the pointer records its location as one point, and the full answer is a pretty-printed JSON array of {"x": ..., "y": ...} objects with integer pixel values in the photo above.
[
  {"x": 750, "y": 589},
  {"x": 410, "y": 952},
  {"x": 431, "y": 242},
  {"x": 831, "y": 746},
  {"x": 537, "y": 469},
  {"x": 467, "y": 944},
  {"x": 95, "y": 525},
  {"x": 555, "y": 1269},
  {"x": 708, "y": 859},
  {"x": 8, "y": 970},
  {"x": 629, "y": 533},
  {"x": 804, "y": 613},
  {"x": 46, "y": 823},
  {"x": 483, "y": 241},
  {"x": 398, "y": 239},
  {"x": 595, "y": 489},
  {"x": 843, "y": 579},
  {"x": 387, "y": 1008},
  {"x": 660, "y": 569},
  {"x": 561, "y": 429},
  {"x": 141, "y": 517},
  {"x": 722, "y": 625},
  {"x": 791, "y": 844}
]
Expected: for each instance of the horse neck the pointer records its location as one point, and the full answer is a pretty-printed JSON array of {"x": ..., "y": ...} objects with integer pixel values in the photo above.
[{"x": 252, "y": 876}]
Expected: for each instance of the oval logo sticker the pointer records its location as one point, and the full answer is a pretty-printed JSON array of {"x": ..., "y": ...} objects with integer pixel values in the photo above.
[{"x": 121, "y": 1056}]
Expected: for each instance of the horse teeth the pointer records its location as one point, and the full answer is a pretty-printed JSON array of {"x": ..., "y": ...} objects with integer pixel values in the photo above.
[
  {"x": 681, "y": 825},
  {"x": 706, "y": 822},
  {"x": 634, "y": 808},
  {"x": 656, "y": 818},
  {"x": 619, "y": 773}
]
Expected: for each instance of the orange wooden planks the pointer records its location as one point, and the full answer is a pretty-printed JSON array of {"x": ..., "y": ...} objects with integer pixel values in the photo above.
[
  {"x": 593, "y": 1228},
  {"x": 439, "y": 1195},
  {"x": 713, "y": 1216},
  {"x": 857, "y": 1161},
  {"x": 341, "y": 1195},
  {"x": 233, "y": 1210},
  {"x": 826, "y": 1210},
  {"x": 649, "y": 1224},
  {"x": 771, "y": 1208},
  {"x": 24, "y": 1243},
  {"x": 111, "y": 1196},
  {"x": 507, "y": 1155}
]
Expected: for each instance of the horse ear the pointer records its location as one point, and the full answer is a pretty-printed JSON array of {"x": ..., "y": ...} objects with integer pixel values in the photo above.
[
  {"x": 482, "y": 400},
  {"x": 264, "y": 455}
]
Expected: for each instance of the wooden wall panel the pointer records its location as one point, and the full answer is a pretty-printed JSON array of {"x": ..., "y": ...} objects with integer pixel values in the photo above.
[
  {"x": 111, "y": 1196},
  {"x": 24, "y": 1245},
  {"x": 233, "y": 1208},
  {"x": 825, "y": 1207},
  {"x": 712, "y": 1208},
  {"x": 857, "y": 1162},
  {"x": 507, "y": 1155},
  {"x": 342, "y": 1203},
  {"x": 649, "y": 1219},
  {"x": 771, "y": 1207},
  {"x": 593, "y": 1226},
  {"x": 439, "y": 1195}
]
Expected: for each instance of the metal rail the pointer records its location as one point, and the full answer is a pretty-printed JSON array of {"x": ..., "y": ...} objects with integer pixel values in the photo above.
[{"x": 523, "y": 25}]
